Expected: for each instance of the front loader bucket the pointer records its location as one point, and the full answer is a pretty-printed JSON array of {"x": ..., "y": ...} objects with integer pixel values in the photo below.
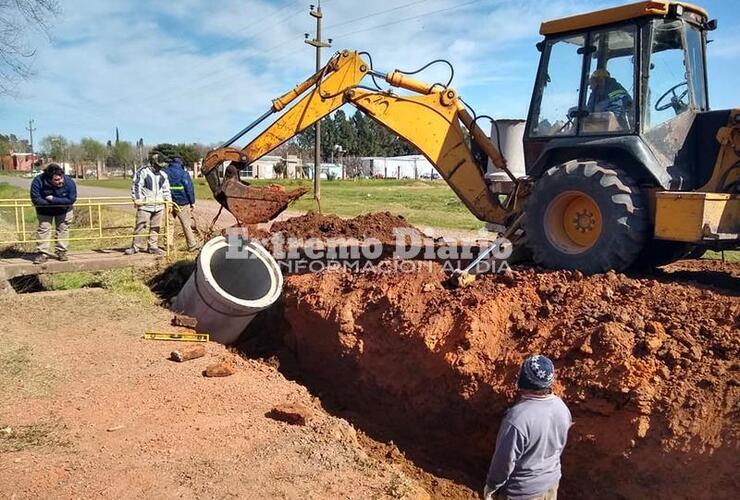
[{"x": 253, "y": 205}]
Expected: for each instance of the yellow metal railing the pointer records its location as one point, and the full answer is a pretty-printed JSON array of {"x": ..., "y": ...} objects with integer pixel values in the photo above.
[{"x": 24, "y": 215}]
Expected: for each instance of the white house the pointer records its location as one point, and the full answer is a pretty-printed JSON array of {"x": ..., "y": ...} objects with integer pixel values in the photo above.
[
  {"x": 264, "y": 168},
  {"x": 399, "y": 167},
  {"x": 328, "y": 170}
]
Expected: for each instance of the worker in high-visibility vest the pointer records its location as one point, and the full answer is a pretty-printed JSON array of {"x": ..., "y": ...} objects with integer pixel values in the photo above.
[{"x": 183, "y": 196}]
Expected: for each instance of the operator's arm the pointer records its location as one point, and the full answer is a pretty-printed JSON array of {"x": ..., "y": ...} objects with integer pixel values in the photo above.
[{"x": 509, "y": 447}]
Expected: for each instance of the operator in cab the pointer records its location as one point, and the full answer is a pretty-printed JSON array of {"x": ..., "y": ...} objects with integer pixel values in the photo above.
[
  {"x": 608, "y": 95},
  {"x": 532, "y": 435}
]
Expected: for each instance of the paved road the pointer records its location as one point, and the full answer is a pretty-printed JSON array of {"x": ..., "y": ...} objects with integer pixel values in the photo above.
[{"x": 82, "y": 191}]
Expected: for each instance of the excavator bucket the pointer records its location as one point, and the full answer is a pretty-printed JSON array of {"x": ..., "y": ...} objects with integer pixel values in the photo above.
[{"x": 254, "y": 205}]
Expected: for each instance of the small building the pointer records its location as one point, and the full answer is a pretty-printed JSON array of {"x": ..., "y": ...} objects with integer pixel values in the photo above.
[
  {"x": 265, "y": 168},
  {"x": 19, "y": 162},
  {"x": 399, "y": 167},
  {"x": 329, "y": 171}
]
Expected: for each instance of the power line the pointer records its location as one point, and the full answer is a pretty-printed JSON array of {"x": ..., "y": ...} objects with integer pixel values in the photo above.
[
  {"x": 226, "y": 47},
  {"x": 186, "y": 89},
  {"x": 368, "y": 16},
  {"x": 457, "y": 7}
]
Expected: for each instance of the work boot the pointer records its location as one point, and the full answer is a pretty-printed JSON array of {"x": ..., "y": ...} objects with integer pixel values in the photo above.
[
  {"x": 156, "y": 251},
  {"x": 62, "y": 256},
  {"x": 40, "y": 258},
  {"x": 131, "y": 251}
]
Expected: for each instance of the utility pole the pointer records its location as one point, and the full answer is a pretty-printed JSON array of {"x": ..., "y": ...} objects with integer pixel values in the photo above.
[
  {"x": 318, "y": 43},
  {"x": 31, "y": 130}
]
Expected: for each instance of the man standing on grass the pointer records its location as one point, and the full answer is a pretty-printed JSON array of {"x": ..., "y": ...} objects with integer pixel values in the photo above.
[
  {"x": 183, "y": 196},
  {"x": 533, "y": 432},
  {"x": 149, "y": 190},
  {"x": 53, "y": 194}
]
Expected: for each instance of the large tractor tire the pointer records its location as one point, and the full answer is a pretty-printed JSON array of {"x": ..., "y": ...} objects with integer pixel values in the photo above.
[{"x": 587, "y": 216}]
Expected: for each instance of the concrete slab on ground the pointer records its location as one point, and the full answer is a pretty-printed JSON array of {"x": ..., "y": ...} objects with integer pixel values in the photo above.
[{"x": 91, "y": 261}]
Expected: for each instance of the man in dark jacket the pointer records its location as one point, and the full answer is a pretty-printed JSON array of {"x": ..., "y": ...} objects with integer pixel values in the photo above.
[
  {"x": 183, "y": 196},
  {"x": 53, "y": 194},
  {"x": 533, "y": 433}
]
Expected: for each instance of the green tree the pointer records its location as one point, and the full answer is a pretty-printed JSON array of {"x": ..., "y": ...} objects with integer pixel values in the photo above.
[
  {"x": 280, "y": 168},
  {"x": 188, "y": 153},
  {"x": 366, "y": 144},
  {"x": 122, "y": 155},
  {"x": 4, "y": 145},
  {"x": 55, "y": 146},
  {"x": 346, "y": 135},
  {"x": 92, "y": 150},
  {"x": 13, "y": 144}
]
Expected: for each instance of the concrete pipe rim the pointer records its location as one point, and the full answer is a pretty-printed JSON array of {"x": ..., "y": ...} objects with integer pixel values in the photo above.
[{"x": 273, "y": 270}]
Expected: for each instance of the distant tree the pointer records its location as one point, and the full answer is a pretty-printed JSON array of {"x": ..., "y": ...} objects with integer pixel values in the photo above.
[
  {"x": 55, "y": 147},
  {"x": 92, "y": 150},
  {"x": 13, "y": 144},
  {"x": 18, "y": 20},
  {"x": 346, "y": 136},
  {"x": 189, "y": 153},
  {"x": 4, "y": 145},
  {"x": 122, "y": 156},
  {"x": 280, "y": 168},
  {"x": 359, "y": 135},
  {"x": 366, "y": 144},
  {"x": 165, "y": 149}
]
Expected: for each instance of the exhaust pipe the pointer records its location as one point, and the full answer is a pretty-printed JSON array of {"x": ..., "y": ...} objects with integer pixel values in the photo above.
[{"x": 229, "y": 287}]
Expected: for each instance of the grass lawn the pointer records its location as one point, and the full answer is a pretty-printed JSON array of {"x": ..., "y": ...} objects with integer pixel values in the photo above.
[{"x": 423, "y": 203}]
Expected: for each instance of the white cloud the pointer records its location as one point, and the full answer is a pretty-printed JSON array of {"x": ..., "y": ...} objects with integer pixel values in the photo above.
[{"x": 199, "y": 71}]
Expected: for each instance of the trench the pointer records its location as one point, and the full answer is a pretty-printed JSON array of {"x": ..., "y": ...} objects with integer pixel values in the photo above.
[{"x": 425, "y": 373}]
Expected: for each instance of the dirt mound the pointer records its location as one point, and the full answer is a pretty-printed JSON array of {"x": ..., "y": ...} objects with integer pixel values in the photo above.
[
  {"x": 648, "y": 368},
  {"x": 378, "y": 225}
]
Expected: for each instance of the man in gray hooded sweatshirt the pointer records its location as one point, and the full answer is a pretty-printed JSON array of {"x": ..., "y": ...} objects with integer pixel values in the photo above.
[{"x": 533, "y": 432}]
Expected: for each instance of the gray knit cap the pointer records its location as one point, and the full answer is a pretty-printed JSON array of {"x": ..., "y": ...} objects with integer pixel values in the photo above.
[{"x": 537, "y": 373}]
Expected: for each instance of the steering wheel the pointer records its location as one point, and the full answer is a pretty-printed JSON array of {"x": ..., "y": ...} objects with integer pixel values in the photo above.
[{"x": 676, "y": 101}]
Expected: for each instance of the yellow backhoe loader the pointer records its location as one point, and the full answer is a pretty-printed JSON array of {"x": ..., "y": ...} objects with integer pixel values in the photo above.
[{"x": 625, "y": 163}]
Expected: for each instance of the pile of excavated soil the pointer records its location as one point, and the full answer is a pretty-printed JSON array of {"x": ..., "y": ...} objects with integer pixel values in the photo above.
[
  {"x": 378, "y": 225},
  {"x": 649, "y": 368}
]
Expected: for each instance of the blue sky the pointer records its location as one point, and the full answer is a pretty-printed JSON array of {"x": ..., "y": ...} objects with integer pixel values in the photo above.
[{"x": 198, "y": 71}]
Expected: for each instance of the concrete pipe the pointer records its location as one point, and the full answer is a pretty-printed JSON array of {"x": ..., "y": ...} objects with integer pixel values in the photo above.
[{"x": 229, "y": 287}]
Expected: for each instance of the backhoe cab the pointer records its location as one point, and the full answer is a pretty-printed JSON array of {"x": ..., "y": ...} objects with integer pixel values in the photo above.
[{"x": 622, "y": 144}]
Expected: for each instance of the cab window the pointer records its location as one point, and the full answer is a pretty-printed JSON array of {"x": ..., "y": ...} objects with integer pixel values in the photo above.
[
  {"x": 558, "y": 88},
  {"x": 671, "y": 91},
  {"x": 610, "y": 82}
]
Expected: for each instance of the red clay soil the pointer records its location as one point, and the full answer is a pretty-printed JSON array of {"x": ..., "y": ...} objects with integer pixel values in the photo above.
[
  {"x": 378, "y": 225},
  {"x": 648, "y": 367}
]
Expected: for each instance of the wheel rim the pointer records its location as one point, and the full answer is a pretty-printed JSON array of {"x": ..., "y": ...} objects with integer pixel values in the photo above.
[{"x": 573, "y": 222}]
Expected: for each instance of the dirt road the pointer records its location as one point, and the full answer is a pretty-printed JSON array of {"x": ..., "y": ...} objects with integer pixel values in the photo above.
[{"x": 89, "y": 409}]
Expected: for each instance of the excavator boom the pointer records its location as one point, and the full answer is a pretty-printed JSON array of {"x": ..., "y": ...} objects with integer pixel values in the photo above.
[{"x": 434, "y": 119}]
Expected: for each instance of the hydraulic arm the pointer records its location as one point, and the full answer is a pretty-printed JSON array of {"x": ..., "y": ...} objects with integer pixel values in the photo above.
[{"x": 434, "y": 119}]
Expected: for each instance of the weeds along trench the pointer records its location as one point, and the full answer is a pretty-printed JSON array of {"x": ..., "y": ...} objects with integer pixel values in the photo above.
[{"x": 647, "y": 364}]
